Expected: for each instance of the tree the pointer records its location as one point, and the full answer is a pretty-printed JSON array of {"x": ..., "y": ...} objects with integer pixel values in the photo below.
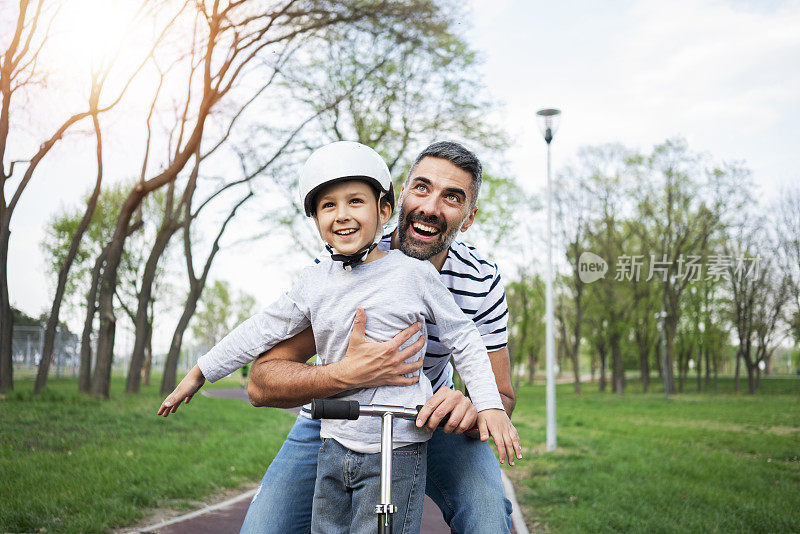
[
  {"x": 219, "y": 312},
  {"x": 84, "y": 275},
  {"x": 231, "y": 42},
  {"x": 682, "y": 210},
  {"x": 525, "y": 322},
  {"x": 408, "y": 96}
]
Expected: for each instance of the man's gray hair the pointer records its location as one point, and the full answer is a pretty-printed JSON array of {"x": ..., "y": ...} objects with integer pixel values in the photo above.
[{"x": 459, "y": 156}]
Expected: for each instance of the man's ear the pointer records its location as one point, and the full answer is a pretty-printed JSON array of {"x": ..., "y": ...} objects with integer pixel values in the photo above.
[{"x": 469, "y": 220}]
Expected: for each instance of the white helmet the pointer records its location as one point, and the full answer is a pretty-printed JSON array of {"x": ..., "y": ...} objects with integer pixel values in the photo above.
[{"x": 344, "y": 160}]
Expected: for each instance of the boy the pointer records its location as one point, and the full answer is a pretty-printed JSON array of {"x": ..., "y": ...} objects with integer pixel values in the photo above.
[{"x": 346, "y": 187}]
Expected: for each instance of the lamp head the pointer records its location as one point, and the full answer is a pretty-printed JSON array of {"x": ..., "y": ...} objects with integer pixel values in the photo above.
[{"x": 548, "y": 120}]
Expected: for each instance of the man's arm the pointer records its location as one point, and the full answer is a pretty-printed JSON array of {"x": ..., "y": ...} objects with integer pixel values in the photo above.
[
  {"x": 501, "y": 366},
  {"x": 280, "y": 377}
]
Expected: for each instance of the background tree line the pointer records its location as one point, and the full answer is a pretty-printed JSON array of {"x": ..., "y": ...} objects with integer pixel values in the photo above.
[{"x": 679, "y": 234}]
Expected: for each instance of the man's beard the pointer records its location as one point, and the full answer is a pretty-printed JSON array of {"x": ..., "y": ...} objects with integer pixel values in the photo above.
[{"x": 419, "y": 250}]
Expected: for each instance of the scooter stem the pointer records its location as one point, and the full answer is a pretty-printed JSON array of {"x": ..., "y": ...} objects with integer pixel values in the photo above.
[{"x": 385, "y": 509}]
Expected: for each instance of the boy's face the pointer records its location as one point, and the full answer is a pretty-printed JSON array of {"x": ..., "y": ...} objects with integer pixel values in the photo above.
[{"x": 347, "y": 215}]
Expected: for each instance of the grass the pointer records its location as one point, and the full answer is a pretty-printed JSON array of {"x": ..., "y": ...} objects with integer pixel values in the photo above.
[
  {"x": 696, "y": 463},
  {"x": 70, "y": 463}
]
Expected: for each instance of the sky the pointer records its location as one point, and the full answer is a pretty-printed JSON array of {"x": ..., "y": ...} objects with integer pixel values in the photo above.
[{"x": 723, "y": 74}]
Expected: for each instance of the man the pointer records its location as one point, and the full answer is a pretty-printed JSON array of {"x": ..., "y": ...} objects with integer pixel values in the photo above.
[{"x": 438, "y": 200}]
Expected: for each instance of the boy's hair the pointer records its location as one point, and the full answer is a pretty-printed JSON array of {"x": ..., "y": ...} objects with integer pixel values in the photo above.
[
  {"x": 382, "y": 201},
  {"x": 459, "y": 156}
]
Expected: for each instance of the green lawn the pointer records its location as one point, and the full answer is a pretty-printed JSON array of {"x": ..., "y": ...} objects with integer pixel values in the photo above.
[
  {"x": 69, "y": 463},
  {"x": 697, "y": 463}
]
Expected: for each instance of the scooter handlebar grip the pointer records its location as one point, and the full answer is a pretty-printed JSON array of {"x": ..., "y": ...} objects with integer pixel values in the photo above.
[{"x": 334, "y": 409}]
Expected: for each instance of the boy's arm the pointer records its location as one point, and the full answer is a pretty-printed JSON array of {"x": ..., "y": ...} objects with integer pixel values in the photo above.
[
  {"x": 280, "y": 377},
  {"x": 281, "y": 320}
]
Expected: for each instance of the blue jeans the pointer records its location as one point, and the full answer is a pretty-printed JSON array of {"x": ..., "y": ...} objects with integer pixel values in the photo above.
[
  {"x": 349, "y": 486},
  {"x": 463, "y": 479}
]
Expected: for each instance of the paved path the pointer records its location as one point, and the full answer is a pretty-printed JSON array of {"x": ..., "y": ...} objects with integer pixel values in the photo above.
[{"x": 227, "y": 516}]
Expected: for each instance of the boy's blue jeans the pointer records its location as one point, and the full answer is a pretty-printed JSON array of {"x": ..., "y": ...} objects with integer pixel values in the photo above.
[
  {"x": 349, "y": 486},
  {"x": 463, "y": 479}
]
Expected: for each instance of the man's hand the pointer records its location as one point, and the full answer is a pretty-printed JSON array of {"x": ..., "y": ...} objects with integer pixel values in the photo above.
[
  {"x": 497, "y": 423},
  {"x": 190, "y": 385},
  {"x": 447, "y": 401},
  {"x": 369, "y": 363}
]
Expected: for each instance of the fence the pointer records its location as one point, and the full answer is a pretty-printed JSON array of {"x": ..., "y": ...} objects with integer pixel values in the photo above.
[{"x": 27, "y": 345}]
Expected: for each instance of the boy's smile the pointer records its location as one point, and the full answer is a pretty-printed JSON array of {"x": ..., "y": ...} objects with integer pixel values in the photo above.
[{"x": 347, "y": 215}]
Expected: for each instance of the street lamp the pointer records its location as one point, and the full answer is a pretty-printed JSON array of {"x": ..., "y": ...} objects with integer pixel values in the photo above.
[
  {"x": 661, "y": 316},
  {"x": 548, "y": 120}
]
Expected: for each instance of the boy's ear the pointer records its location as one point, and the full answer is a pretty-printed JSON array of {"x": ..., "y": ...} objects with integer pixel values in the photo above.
[{"x": 386, "y": 212}]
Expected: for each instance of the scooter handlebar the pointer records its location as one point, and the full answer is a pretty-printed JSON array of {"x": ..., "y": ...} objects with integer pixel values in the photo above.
[{"x": 350, "y": 409}]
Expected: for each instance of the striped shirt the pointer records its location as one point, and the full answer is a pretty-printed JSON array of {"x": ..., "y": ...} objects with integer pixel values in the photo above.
[{"x": 478, "y": 290}]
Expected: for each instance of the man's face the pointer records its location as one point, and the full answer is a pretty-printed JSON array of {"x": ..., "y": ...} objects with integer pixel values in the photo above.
[{"x": 434, "y": 206}]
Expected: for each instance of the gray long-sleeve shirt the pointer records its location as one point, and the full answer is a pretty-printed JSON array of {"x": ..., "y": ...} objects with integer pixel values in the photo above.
[{"x": 395, "y": 291}]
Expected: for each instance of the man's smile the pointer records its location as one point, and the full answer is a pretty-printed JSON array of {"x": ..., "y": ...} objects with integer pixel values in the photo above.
[{"x": 424, "y": 230}]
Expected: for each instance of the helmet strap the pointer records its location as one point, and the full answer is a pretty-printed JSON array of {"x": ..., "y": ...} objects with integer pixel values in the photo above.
[{"x": 351, "y": 260}]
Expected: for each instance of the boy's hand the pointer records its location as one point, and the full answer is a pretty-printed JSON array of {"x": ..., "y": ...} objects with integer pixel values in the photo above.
[
  {"x": 497, "y": 423},
  {"x": 190, "y": 385}
]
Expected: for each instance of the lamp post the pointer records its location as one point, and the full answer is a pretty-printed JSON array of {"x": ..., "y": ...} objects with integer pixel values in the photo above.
[
  {"x": 661, "y": 316},
  {"x": 548, "y": 120}
]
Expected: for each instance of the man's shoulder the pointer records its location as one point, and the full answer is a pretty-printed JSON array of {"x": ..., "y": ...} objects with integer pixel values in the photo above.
[{"x": 464, "y": 259}]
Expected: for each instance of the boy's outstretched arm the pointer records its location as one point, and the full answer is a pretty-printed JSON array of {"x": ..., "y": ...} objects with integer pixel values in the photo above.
[
  {"x": 497, "y": 423},
  {"x": 190, "y": 385}
]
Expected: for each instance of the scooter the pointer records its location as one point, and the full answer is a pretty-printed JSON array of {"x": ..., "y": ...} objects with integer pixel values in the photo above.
[{"x": 345, "y": 409}]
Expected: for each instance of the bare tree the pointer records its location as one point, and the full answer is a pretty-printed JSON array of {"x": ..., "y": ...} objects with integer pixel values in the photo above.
[
  {"x": 231, "y": 39},
  {"x": 759, "y": 288},
  {"x": 19, "y": 70}
]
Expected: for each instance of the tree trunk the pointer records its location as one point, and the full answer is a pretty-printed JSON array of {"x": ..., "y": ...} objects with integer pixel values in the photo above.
[
  {"x": 148, "y": 357},
  {"x": 142, "y": 322},
  {"x": 531, "y": 367},
  {"x": 706, "y": 352},
  {"x": 700, "y": 370},
  {"x": 670, "y": 363},
  {"x": 85, "y": 372},
  {"x": 618, "y": 372},
  {"x": 105, "y": 338},
  {"x": 52, "y": 321},
  {"x": 6, "y": 317},
  {"x": 738, "y": 367},
  {"x": 751, "y": 378},
  {"x": 644, "y": 367},
  {"x": 169, "y": 379},
  {"x": 602, "y": 369},
  {"x": 576, "y": 345}
]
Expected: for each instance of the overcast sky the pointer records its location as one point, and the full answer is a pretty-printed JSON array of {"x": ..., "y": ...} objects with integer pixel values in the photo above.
[{"x": 723, "y": 74}]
